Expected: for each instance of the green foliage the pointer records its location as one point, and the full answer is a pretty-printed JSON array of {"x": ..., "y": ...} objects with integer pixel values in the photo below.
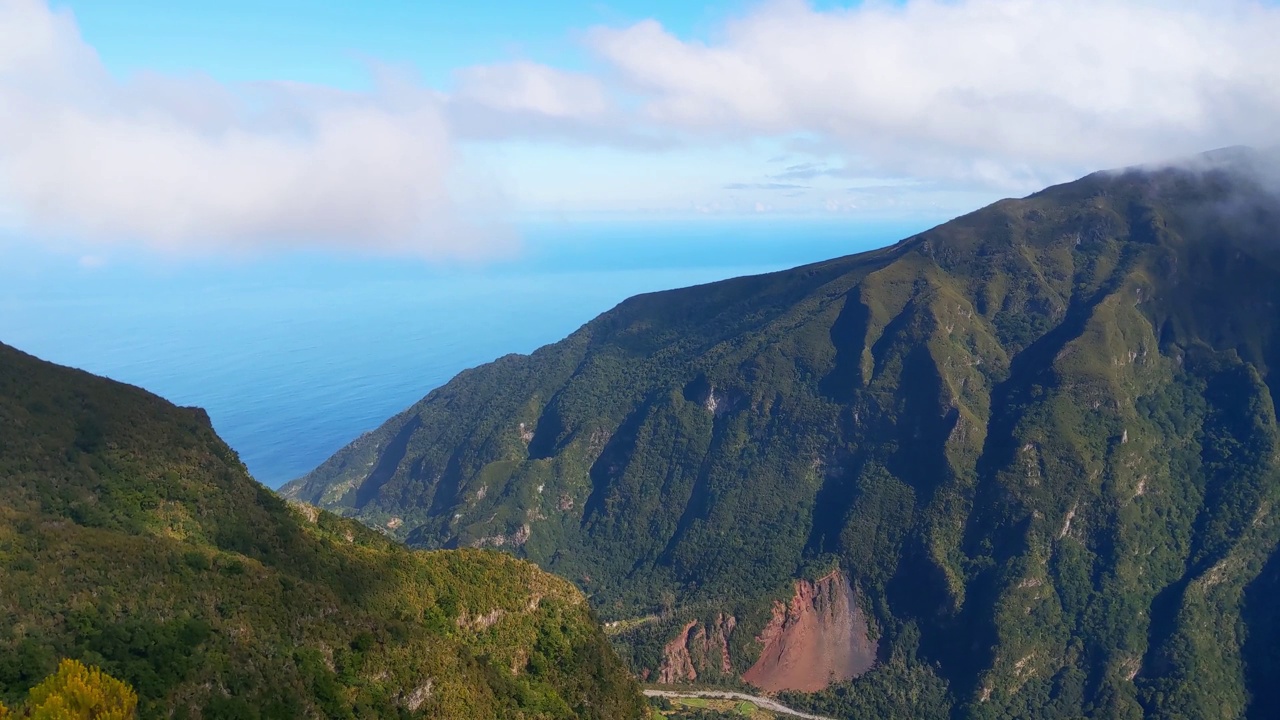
[
  {"x": 1039, "y": 439},
  {"x": 133, "y": 540},
  {"x": 77, "y": 692}
]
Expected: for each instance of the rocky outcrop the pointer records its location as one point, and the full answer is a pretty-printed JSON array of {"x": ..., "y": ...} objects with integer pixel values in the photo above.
[
  {"x": 698, "y": 648},
  {"x": 515, "y": 539},
  {"x": 677, "y": 664},
  {"x": 819, "y": 637},
  {"x": 710, "y": 645}
]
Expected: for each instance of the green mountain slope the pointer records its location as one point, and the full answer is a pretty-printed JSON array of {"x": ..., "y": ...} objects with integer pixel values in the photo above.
[
  {"x": 1039, "y": 442},
  {"x": 132, "y": 538}
]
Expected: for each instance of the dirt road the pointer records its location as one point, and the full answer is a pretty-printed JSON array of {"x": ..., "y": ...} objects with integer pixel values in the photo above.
[{"x": 764, "y": 702}]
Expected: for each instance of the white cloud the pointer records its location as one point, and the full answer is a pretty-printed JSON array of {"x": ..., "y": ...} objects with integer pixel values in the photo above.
[
  {"x": 927, "y": 102},
  {"x": 524, "y": 100},
  {"x": 1003, "y": 93},
  {"x": 526, "y": 87},
  {"x": 190, "y": 164}
]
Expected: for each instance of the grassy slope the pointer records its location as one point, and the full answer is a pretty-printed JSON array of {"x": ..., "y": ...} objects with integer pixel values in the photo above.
[
  {"x": 1041, "y": 439},
  {"x": 131, "y": 537}
]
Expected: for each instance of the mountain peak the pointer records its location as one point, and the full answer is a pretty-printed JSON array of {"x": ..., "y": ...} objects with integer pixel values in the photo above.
[{"x": 1258, "y": 165}]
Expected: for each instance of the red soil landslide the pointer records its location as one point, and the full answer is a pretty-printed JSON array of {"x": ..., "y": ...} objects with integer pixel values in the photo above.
[
  {"x": 677, "y": 665},
  {"x": 818, "y": 638},
  {"x": 697, "y": 649}
]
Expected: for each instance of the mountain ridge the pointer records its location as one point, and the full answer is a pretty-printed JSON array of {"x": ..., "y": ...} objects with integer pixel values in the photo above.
[{"x": 985, "y": 426}]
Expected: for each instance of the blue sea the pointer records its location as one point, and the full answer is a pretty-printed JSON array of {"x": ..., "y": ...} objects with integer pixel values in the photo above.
[{"x": 294, "y": 355}]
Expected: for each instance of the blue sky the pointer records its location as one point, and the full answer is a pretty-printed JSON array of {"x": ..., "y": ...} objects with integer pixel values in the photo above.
[
  {"x": 241, "y": 40},
  {"x": 438, "y": 129},
  {"x": 326, "y": 43},
  {"x": 335, "y": 44}
]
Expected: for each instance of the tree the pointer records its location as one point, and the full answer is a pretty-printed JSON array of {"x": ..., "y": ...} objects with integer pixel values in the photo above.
[{"x": 77, "y": 692}]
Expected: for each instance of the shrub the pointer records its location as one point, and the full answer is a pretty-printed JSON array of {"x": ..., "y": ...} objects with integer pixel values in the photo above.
[{"x": 77, "y": 692}]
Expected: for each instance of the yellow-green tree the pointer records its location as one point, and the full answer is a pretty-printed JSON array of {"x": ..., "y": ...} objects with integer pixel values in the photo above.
[
  {"x": 4, "y": 712},
  {"x": 77, "y": 692}
]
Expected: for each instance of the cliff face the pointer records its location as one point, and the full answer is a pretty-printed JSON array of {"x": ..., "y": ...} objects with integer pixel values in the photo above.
[
  {"x": 677, "y": 661},
  {"x": 697, "y": 649},
  {"x": 819, "y": 637}
]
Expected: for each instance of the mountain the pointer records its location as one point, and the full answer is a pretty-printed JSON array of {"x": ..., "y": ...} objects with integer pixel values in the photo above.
[
  {"x": 133, "y": 539},
  {"x": 1020, "y": 465}
]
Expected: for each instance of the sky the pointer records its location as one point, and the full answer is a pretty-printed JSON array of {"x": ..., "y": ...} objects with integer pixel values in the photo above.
[{"x": 435, "y": 130}]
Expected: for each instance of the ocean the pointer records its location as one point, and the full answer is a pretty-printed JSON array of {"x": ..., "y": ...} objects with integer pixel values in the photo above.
[{"x": 296, "y": 354}]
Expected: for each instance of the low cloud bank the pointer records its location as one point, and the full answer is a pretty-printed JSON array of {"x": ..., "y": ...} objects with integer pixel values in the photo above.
[
  {"x": 190, "y": 164},
  {"x": 1002, "y": 95}
]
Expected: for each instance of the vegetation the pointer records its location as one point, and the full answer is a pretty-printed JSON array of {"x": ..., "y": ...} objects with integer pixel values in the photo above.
[
  {"x": 692, "y": 708},
  {"x": 1041, "y": 439},
  {"x": 133, "y": 540},
  {"x": 76, "y": 692}
]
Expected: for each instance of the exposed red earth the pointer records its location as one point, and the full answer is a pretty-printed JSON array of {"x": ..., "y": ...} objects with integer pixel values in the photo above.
[
  {"x": 818, "y": 638},
  {"x": 697, "y": 648}
]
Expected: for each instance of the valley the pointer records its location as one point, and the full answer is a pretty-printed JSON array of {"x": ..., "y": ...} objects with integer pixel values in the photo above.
[{"x": 624, "y": 360}]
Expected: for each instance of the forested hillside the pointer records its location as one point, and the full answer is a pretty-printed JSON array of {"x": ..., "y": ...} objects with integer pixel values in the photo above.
[
  {"x": 1038, "y": 442},
  {"x": 132, "y": 539}
]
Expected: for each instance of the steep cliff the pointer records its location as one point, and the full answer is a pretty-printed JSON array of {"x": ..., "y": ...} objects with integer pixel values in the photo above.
[
  {"x": 819, "y": 637},
  {"x": 698, "y": 651}
]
